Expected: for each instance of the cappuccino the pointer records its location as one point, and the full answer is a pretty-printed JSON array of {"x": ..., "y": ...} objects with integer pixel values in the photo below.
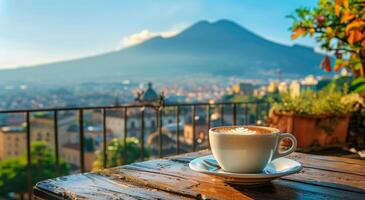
[
  {"x": 247, "y": 149},
  {"x": 241, "y": 130},
  {"x": 244, "y": 130}
]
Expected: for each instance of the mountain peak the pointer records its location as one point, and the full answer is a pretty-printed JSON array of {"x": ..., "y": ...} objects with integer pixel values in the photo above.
[
  {"x": 219, "y": 29},
  {"x": 222, "y": 23},
  {"x": 225, "y": 22}
]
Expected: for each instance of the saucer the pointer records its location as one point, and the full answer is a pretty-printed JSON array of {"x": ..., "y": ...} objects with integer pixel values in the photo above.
[{"x": 277, "y": 168}]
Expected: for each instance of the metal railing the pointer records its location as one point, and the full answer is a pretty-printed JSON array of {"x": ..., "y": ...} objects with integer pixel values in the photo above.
[{"x": 255, "y": 106}]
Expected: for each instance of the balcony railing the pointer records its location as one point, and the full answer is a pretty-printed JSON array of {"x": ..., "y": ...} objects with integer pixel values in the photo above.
[{"x": 258, "y": 109}]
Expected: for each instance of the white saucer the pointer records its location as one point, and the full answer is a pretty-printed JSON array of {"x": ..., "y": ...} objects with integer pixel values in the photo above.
[{"x": 277, "y": 168}]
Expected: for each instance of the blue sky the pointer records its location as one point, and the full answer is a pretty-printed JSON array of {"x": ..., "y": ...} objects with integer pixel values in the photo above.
[{"x": 39, "y": 31}]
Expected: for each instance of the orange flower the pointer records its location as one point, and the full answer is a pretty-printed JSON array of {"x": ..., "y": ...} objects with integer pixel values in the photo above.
[
  {"x": 297, "y": 32},
  {"x": 337, "y": 9},
  {"x": 347, "y": 16},
  {"x": 355, "y": 36},
  {"x": 339, "y": 3},
  {"x": 355, "y": 24},
  {"x": 345, "y": 3},
  {"x": 340, "y": 64},
  {"x": 337, "y": 67}
]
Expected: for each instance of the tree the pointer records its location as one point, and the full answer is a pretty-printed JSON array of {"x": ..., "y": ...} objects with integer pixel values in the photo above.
[
  {"x": 339, "y": 26},
  {"x": 13, "y": 171},
  {"x": 115, "y": 153},
  {"x": 89, "y": 144}
]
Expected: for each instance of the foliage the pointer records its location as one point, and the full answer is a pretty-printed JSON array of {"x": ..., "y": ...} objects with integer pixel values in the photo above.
[
  {"x": 13, "y": 171},
  {"x": 115, "y": 153},
  {"x": 240, "y": 98},
  {"x": 355, "y": 84},
  {"x": 89, "y": 144},
  {"x": 358, "y": 85},
  {"x": 325, "y": 102},
  {"x": 339, "y": 26}
]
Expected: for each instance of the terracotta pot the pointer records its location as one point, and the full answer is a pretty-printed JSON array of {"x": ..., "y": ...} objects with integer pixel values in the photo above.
[{"x": 312, "y": 131}]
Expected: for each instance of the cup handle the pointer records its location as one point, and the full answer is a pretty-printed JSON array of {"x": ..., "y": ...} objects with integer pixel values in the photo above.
[{"x": 282, "y": 136}]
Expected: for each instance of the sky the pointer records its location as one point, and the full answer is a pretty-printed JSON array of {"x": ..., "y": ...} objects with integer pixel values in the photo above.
[{"x": 42, "y": 31}]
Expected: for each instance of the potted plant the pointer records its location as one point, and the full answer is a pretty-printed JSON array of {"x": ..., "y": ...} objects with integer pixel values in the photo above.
[{"x": 317, "y": 119}]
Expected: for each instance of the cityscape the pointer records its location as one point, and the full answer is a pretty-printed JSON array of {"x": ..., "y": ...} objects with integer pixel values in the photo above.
[
  {"x": 88, "y": 95},
  {"x": 182, "y": 99}
]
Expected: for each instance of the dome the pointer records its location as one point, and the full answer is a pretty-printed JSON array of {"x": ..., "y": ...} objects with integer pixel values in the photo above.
[{"x": 150, "y": 95}]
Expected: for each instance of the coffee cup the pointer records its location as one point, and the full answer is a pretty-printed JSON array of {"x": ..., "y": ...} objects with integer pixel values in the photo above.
[{"x": 247, "y": 149}]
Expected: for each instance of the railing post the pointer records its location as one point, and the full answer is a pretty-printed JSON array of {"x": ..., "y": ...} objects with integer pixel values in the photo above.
[
  {"x": 55, "y": 118},
  {"x": 29, "y": 160},
  {"x": 82, "y": 148},
  {"x": 257, "y": 112},
  {"x": 104, "y": 139},
  {"x": 177, "y": 130},
  {"x": 246, "y": 114},
  {"x": 208, "y": 123},
  {"x": 125, "y": 118},
  {"x": 193, "y": 126},
  {"x": 142, "y": 133},
  {"x": 267, "y": 112},
  {"x": 160, "y": 130},
  {"x": 234, "y": 114},
  {"x": 222, "y": 114}
]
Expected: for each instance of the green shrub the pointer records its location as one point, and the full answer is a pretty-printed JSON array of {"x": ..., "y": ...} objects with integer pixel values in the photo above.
[{"x": 325, "y": 102}]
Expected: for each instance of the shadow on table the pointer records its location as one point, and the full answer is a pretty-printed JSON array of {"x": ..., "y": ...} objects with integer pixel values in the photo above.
[{"x": 286, "y": 189}]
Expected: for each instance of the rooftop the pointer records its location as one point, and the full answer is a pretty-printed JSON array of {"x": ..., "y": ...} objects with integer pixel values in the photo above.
[{"x": 12, "y": 129}]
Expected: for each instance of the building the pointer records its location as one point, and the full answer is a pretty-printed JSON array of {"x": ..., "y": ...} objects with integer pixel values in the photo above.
[
  {"x": 71, "y": 153},
  {"x": 283, "y": 87},
  {"x": 13, "y": 138},
  {"x": 308, "y": 83},
  {"x": 115, "y": 121},
  {"x": 42, "y": 127},
  {"x": 96, "y": 133},
  {"x": 201, "y": 131},
  {"x": 243, "y": 89},
  {"x": 272, "y": 87},
  {"x": 294, "y": 89},
  {"x": 150, "y": 95},
  {"x": 12, "y": 141},
  {"x": 260, "y": 92},
  {"x": 169, "y": 140}
]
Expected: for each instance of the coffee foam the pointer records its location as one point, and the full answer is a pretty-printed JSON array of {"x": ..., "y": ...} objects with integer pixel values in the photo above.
[{"x": 241, "y": 130}]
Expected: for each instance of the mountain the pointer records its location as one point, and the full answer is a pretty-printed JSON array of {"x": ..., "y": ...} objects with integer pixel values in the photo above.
[{"x": 221, "y": 48}]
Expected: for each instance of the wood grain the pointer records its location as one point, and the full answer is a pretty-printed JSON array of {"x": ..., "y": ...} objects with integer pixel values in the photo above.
[{"x": 171, "y": 178}]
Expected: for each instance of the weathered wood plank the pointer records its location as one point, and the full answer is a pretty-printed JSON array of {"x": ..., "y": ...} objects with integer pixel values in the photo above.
[
  {"x": 332, "y": 179},
  {"x": 181, "y": 172},
  {"x": 336, "y": 164},
  {"x": 285, "y": 189},
  {"x": 328, "y": 163},
  {"x": 177, "y": 179},
  {"x": 96, "y": 186},
  {"x": 320, "y": 170}
]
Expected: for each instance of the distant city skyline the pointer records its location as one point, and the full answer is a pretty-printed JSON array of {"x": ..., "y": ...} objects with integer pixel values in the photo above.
[{"x": 41, "y": 31}]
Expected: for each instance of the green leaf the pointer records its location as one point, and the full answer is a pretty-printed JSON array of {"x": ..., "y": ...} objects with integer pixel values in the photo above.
[
  {"x": 358, "y": 80},
  {"x": 360, "y": 88},
  {"x": 357, "y": 85},
  {"x": 357, "y": 66}
]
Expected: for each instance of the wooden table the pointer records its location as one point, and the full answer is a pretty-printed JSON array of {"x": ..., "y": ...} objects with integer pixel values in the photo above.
[{"x": 171, "y": 178}]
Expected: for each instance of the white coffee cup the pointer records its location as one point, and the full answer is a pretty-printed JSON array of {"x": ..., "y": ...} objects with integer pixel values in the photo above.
[{"x": 248, "y": 152}]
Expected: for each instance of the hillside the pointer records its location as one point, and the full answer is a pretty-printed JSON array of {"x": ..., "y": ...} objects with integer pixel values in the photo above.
[{"x": 220, "y": 48}]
